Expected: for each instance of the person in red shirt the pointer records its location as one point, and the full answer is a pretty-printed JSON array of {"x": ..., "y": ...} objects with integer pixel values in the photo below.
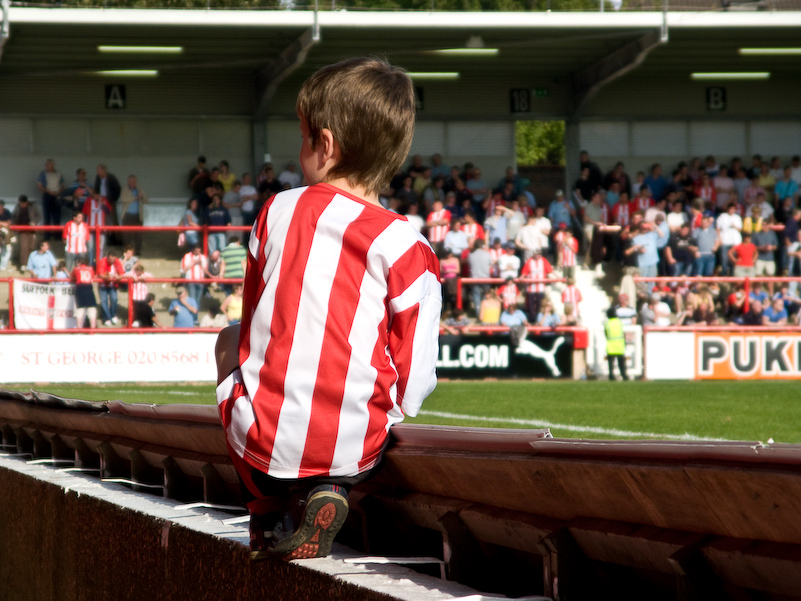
[
  {"x": 76, "y": 239},
  {"x": 536, "y": 268},
  {"x": 85, "y": 302},
  {"x": 744, "y": 257},
  {"x": 110, "y": 270}
]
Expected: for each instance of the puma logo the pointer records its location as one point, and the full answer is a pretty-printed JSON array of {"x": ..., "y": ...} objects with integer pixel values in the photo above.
[{"x": 529, "y": 348}]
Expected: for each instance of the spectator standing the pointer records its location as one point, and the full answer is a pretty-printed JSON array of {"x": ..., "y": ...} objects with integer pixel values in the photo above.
[
  {"x": 705, "y": 245},
  {"x": 645, "y": 242},
  {"x": 625, "y": 310},
  {"x": 456, "y": 240},
  {"x": 76, "y": 240},
  {"x": 617, "y": 176},
  {"x": 766, "y": 243},
  {"x": 248, "y": 195},
  {"x": 744, "y": 256},
  {"x": 42, "y": 263},
  {"x": 413, "y": 217},
  {"x": 480, "y": 265},
  {"x": 51, "y": 184},
  {"x": 724, "y": 188},
  {"x": 25, "y": 213},
  {"x": 729, "y": 225},
  {"x": 537, "y": 267},
  {"x": 530, "y": 237},
  {"x": 234, "y": 262},
  {"x": 184, "y": 309},
  {"x": 110, "y": 271},
  {"x": 571, "y": 294},
  {"x": 78, "y": 190},
  {"x": 108, "y": 187},
  {"x": 225, "y": 177},
  {"x": 437, "y": 167},
  {"x": 508, "y": 293},
  {"x": 198, "y": 177},
  {"x": 656, "y": 183},
  {"x": 786, "y": 187},
  {"x": 96, "y": 209},
  {"x": 767, "y": 182},
  {"x": 472, "y": 230},
  {"x": 595, "y": 175},
  {"x": 85, "y": 301},
  {"x": 217, "y": 216},
  {"x": 191, "y": 218},
  {"x": 679, "y": 254},
  {"x": 195, "y": 266},
  {"x": 496, "y": 225},
  {"x": 232, "y": 201},
  {"x": 479, "y": 189},
  {"x": 438, "y": 223},
  {"x": 232, "y": 305},
  {"x": 5, "y": 236},
  {"x": 289, "y": 176},
  {"x": 509, "y": 263},
  {"x": 568, "y": 249},
  {"x": 133, "y": 200}
]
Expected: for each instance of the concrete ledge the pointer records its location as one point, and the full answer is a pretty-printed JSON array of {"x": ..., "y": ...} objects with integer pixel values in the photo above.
[{"x": 67, "y": 536}]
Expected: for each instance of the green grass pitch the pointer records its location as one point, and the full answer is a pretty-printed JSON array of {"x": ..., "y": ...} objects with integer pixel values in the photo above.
[{"x": 748, "y": 410}]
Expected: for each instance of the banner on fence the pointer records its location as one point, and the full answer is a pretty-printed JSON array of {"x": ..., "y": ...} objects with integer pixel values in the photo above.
[
  {"x": 471, "y": 356},
  {"x": 43, "y": 306},
  {"x": 108, "y": 358},
  {"x": 723, "y": 355}
]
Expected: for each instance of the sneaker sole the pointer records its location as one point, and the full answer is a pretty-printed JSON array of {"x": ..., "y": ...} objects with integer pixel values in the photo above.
[{"x": 323, "y": 517}]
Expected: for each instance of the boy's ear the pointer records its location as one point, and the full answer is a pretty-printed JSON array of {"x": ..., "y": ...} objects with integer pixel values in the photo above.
[{"x": 328, "y": 146}]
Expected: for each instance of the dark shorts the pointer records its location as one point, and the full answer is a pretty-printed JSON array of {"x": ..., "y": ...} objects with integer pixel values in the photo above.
[{"x": 84, "y": 296}]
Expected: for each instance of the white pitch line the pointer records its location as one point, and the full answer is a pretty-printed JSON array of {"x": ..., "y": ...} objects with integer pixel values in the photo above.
[{"x": 538, "y": 423}]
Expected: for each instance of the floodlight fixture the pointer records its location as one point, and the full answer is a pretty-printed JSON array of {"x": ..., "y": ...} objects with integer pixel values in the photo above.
[
  {"x": 732, "y": 75},
  {"x": 464, "y": 52},
  {"x": 434, "y": 75},
  {"x": 128, "y": 73},
  {"x": 141, "y": 49},
  {"x": 770, "y": 51}
]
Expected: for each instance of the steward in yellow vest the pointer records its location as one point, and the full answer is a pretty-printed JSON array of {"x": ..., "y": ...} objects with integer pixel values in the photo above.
[{"x": 615, "y": 344}]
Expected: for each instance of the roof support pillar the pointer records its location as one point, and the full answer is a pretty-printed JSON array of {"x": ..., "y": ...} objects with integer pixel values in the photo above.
[
  {"x": 267, "y": 83},
  {"x": 587, "y": 83}
]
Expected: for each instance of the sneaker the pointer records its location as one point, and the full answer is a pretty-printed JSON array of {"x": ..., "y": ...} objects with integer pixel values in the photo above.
[
  {"x": 107, "y": 322},
  {"x": 261, "y": 532},
  {"x": 324, "y": 514},
  {"x": 115, "y": 320}
]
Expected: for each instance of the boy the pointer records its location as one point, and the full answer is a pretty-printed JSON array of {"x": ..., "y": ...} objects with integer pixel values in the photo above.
[
  {"x": 85, "y": 302},
  {"x": 341, "y": 316}
]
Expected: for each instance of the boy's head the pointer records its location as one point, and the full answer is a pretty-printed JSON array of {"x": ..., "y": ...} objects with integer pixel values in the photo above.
[{"x": 367, "y": 105}]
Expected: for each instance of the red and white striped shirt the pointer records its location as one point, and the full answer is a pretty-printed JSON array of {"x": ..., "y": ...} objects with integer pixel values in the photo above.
[
  {"x": 567, "y": 251},
  {"x": 138, "y": 285},
  {"x": 622, "y": 213},
  {"x": 194, "y": 266},
  {"x": 508, "y": 294},
  {"x": 339, "y": 335},
  {"x": 605, "y": 213},
  {"x": 572, "y": 294},
  {"x": 536, "y": 268},
  {"x": 473, "y": 231},
  {"x": 95, "y": 211},
  {"x": 643, "y": 203},
  {"x": 76, "y": 237},
  {"x": 436, "y": 233}
]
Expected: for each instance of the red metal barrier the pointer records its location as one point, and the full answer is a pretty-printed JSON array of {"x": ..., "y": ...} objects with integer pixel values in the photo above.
[
  {"x": 497, "y": 282},
  {"x": 128, "y": 328}
]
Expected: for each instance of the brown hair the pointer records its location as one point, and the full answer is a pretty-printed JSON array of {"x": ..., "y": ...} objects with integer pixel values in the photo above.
[{"x": 368, "y": 105}]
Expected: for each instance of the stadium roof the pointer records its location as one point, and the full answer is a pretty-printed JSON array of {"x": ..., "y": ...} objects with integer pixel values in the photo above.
[{"x": 590, "y": 47}]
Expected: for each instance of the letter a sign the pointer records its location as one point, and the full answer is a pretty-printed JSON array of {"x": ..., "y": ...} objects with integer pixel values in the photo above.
[{"x": 115, "y": 96}]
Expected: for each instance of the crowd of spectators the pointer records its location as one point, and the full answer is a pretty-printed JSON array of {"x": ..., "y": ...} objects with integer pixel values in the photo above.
[{"x": 704, "y": 218}]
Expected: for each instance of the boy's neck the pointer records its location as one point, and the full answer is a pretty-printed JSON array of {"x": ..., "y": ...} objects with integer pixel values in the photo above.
[{"x": 358, "y": 191}]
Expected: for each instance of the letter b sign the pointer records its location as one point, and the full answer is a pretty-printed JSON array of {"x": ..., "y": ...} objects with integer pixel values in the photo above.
[{"x": 716, "y": 99}]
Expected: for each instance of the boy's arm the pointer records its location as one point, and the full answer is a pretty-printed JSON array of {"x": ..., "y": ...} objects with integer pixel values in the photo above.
[{"x": 415, "y": 304}]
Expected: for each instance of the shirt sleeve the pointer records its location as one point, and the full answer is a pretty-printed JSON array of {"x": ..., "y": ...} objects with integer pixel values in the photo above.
[{"x": 415, "y": 304}]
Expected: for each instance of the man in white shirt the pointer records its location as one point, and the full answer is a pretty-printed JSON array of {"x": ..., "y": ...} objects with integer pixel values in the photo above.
[
  {"x": 289, "y": 176},
  {"x": 529, "y": 238},
  {"x": 677, "y": 217},
  {"x": 509, "y": 263},
  {"x": 729, "y": 225},
  {"x": 456, "y": 239},
  {"x": 248, "y": 195}
]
